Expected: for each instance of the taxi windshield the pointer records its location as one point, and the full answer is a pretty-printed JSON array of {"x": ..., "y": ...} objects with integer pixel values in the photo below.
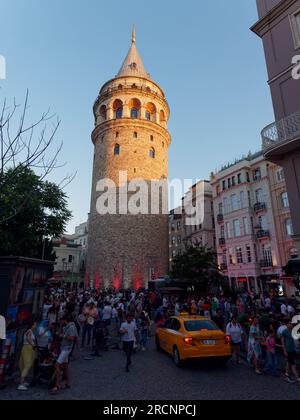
[{"x": 200, "y": 325}]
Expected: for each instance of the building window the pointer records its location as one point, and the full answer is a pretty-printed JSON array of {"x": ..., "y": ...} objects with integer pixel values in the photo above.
[
  {"x": 289, "y": 227},
  {"x": 229, "y": 182},
  {"x": 173, "y": 240},
  {"x": 223, "y": 185},
  {"x": 259, "y": 194},
  {"x": 117, "y": 150},
  {"x": 70, "y": 258},
  {"x": 148, "y": 116},
  {"x": 248, "y": 177},
  {"x": 225, "y": 201},
  {"x": 237, "y": 228},
  {"x": 239, "y": 255},
  {"x": 263, "y": 223},
  {"x": 267, "y": 253},
  {"x": 234, "y": 202},
  {"x": 151, "y": 138},
  {"x": 173, "y": 226},
  {"x": 117, "y": 135},
  {"x": 152, "y": 153},
  {"x": 248, "y": 252},
  {"x": 174, "y": 253},
  {"x": 257, "y": 175},
  {"x": 242, "y": 199},
  {"x": 179, "y": 240},
  {"x": 231, "y": 261},
  {"x": 246, "y": 226},
  {"x": 239, "y": 178},
  {"x": 135, "y": 135},
  {"x": 285, "y": 200},
  {"x": 220, "y": 208},
  {"x": 178, "y": 225},
  {"x": 280, "y": 175},
  {"x": 295, "y": 24},
  {"x": 134, "y": 113},
  {"x": 222, "y": 231},
  {"x": 233, "y": 181},
  {"x": 228, "y": 230}
]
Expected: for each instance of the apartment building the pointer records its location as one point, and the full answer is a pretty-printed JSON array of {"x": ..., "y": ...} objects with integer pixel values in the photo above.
[{"x": 251, "y": 206}]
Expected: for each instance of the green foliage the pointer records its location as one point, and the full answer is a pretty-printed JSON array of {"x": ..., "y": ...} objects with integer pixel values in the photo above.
[
  {"x": 197, "y": 266},
  {"x": 31, "y": 209}
]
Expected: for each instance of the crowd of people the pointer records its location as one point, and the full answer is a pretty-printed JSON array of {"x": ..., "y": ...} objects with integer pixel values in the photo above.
[{"x": 97, "y": 321}]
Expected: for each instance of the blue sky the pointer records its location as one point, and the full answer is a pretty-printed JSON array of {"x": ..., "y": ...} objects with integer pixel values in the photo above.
[{"x": 202, "y": 54}]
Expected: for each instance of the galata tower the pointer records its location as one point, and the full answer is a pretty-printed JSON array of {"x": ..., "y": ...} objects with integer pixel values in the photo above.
[{"x": 126, "y": 250}]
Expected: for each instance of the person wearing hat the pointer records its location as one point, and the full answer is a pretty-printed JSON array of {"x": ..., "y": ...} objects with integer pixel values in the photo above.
[{"x": 289, "y": 349}]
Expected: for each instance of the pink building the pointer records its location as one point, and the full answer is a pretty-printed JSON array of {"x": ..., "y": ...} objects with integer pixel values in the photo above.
[
  {"x": 251, "y": 254},
  {"x": 279, "y": 28}
]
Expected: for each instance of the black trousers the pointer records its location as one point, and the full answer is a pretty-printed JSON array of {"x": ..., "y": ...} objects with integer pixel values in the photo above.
[{"x": 128, "y": 348}]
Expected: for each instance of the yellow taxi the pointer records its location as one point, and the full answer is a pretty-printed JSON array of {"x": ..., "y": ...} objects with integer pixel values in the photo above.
[{"x": 193, "y": 337}]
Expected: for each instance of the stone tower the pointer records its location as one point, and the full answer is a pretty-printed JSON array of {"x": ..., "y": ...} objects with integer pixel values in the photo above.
[{"x": 131, "y": 115}]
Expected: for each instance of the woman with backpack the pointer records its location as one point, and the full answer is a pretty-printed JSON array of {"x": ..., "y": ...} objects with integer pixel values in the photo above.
[{"x": 235, "y": 331}]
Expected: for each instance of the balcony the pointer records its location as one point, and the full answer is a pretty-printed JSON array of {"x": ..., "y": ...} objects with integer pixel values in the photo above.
[
  {"x": 222, "y": 241},
  {"x": 281, "y": 137},
  {"x": 220, "y": 218},
  {"x": 263, "y": 234},
  {"x": 266, "y": 263},
  {"x": 258, "y": 207}
]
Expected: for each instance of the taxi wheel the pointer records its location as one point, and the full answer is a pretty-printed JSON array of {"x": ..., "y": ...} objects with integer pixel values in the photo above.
[
  {"x": 176, "y": 357},
  {"x": 158, "y": 348}
]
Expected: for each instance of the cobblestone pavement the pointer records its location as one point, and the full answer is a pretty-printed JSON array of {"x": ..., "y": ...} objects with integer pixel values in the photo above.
[{"x": 154, "y": 377}]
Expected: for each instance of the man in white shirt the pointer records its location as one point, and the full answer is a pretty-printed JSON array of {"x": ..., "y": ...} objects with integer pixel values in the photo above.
[{"x": 128, "y": 331}]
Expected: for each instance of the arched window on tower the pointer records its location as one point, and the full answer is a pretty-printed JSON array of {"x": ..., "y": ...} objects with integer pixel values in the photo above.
[
  {"x": 150, "y": 111},
  {"x": 118, "y": 108},
  {"x": 117, "y": 150},
  {"x": 134, "y": 113},
  {"x": 162, "y": 116},
  {"x": 152, "y": 153},
  {"x": 135, "y": 107}
]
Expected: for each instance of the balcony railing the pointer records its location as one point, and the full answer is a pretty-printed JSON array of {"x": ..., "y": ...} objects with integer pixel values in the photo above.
[
  {"x": 281, "y": 131},
  {"x": 222, "y": 241},
  {"x": 261, "y": 234},
  {"x": 259, "y": 207},
  {"x": 220, "y": 218},
  {"x": 266, "y": 263}
]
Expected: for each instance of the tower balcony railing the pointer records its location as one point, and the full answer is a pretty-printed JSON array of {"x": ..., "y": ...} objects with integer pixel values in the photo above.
[{"x": 281, "y": 131}]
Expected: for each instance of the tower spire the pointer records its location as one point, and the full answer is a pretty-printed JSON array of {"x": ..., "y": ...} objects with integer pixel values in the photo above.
[{"x": 133, "y": 35}]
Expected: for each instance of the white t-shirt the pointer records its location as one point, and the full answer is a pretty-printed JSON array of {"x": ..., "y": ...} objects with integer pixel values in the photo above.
[
  {"x": 130, "y": 328},
  {"x": 2, "y": 328},
  {"x": 235, "y": 332},
  {"x": 107, "y": 312}
]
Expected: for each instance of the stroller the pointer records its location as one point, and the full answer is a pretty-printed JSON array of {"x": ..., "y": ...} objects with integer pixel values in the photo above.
[{"x": 44, "y": 369}]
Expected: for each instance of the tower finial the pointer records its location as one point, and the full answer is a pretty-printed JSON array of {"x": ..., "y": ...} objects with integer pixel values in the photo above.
[{"x": 133, "y": 37}]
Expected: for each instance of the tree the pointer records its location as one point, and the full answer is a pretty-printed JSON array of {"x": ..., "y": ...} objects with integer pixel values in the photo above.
[
  {"x": 42, "y": 215},
  {"x": 197, "y": 266},
  {"x": 21, "y": 146}
]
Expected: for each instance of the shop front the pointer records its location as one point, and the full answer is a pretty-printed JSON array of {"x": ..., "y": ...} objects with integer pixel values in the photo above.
[{"x": 22, "y": 288}]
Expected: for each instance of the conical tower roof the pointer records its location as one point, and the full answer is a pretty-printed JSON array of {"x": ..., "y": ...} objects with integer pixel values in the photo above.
[{"x": 133, "y": 64}]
